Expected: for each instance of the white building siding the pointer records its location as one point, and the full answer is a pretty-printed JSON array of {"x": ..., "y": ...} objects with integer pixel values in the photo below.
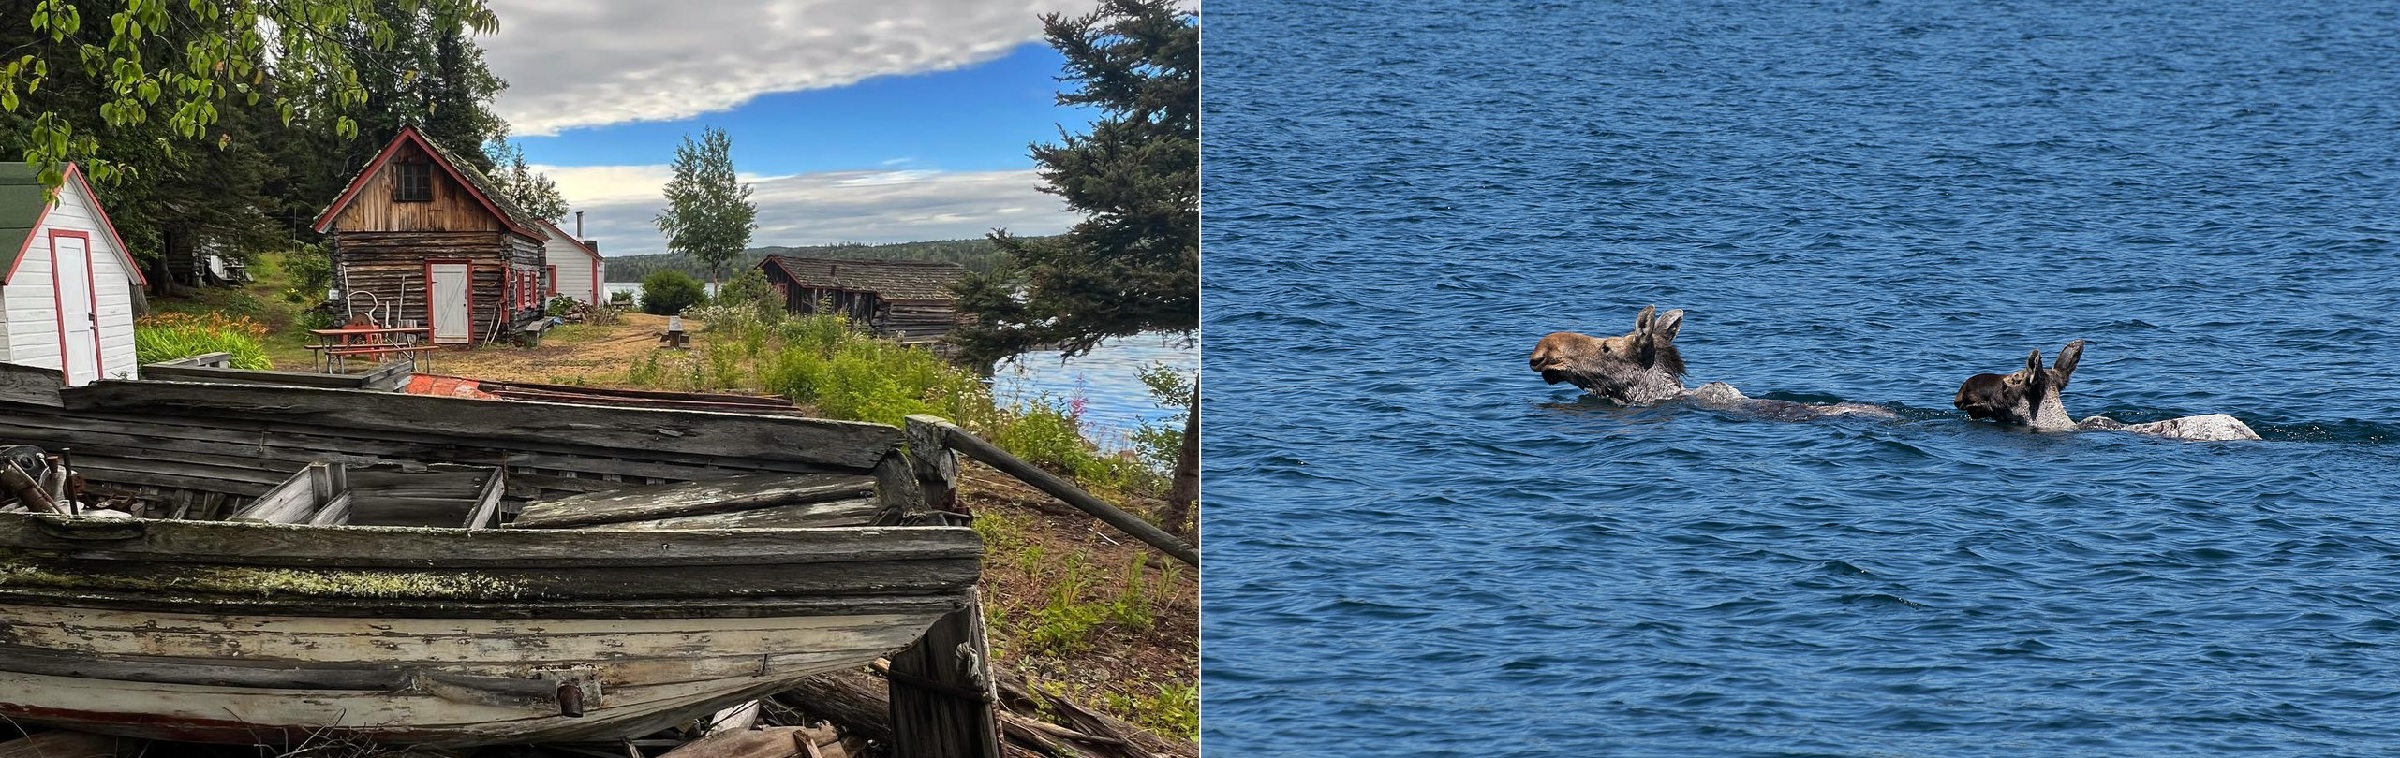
[
  {"x": 32, "y": 307},
  {"x": 577, "y": 273},
  {"x": 29, "y": 303}
]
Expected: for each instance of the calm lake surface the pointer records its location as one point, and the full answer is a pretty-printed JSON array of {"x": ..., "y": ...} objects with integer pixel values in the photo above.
[
  {"x": 1106, "y": 380},
  {"x": 1415, "y": 547}
]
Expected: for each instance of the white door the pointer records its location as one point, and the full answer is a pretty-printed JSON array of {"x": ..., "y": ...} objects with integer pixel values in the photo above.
[
  {"x": 448, "y": 308},
  {"x": 78, "y": 319}
]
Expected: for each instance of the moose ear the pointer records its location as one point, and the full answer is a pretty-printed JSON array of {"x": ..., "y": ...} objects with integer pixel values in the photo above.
[
  {"x": 1663, "y": 330},
  {"x": 2067, "y": 359},
  {"x": 1641, "y": 321},
  {"x": 2033, "y": 362}
]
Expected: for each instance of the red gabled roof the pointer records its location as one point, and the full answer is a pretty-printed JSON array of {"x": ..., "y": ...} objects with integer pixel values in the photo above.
[
  {"x": 562, "y": 234},
  {"x": 440, "y": 157}
]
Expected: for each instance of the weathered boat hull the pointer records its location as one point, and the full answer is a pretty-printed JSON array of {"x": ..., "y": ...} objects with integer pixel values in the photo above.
[
  {"x": 281, "y": 633},
  {"x": 441, "y": 637}
]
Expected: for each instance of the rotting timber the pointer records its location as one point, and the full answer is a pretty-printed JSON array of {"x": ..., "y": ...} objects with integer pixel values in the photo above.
[{"x": 343, "y": 563}]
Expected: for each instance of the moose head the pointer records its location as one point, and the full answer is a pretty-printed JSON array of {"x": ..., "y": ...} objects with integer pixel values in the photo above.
[
  {"x": 1642, "y": 366},
  {"x": 2028, "y": 397}
]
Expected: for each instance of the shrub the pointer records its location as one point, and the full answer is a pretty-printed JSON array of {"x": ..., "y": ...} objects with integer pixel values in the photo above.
[
  {"x": 559, "y": 305},
  {"x": 174, "y": 336},
  {"x": 752, "y": 289},
  {"x": 669, "y": 292}
]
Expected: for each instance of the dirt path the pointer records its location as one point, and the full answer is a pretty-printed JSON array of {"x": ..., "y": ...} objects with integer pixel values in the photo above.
[{"x": 582, "y": 354}]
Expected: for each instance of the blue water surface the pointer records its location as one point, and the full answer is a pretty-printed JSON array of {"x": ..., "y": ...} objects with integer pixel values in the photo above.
[{"x": 1415, "y": 547}]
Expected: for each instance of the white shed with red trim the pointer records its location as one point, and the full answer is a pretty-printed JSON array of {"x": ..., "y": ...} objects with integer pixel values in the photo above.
[
  {"x": 575, "y": 270},
  {"x": 69, "y": 288}
]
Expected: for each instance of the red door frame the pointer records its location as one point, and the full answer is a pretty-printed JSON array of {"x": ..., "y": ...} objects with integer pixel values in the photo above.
[{"x": 58, "y": 304}]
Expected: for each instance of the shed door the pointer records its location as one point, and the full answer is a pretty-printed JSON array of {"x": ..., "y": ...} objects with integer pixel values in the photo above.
[
  {"x": 448, "y": 304},
  {"x": 78, "y": 318}
]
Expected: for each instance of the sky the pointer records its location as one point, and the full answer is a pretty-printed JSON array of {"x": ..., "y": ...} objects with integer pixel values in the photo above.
[{"x": 854, "y": 120}]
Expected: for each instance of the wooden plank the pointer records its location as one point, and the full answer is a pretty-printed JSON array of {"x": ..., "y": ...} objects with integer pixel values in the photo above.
[
  {"x": 936, "y": 463},
  {"x": 170, "y": 542},
  {"x": 26, "y": 384},
  {"x": 841, "y": 443},
  {"x": 167, "y": 372},
  {"x": 336, "y": 513},
  {"x": 487, "y": 506},
  {"x": 291, "y": 502},
  {"x": 897, "y": 489},
  {"x": 246, "y": 716},
  {"x": 771, "y": 742},
  {"x": 859, "y": 512},
  {"x": 941, "y": 692},
  {"x": 68, "y": 744},
  {"x": 764, "y": 401},
  {"x": 757, "y": 606},
  {"x": 301, "y": 443},
  {"x": 66, "y": 579},
  {"x": 723, "y": 495}
]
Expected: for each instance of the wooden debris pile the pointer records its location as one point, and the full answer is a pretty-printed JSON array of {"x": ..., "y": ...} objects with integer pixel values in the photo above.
[{"x": 1033, "y": 724}]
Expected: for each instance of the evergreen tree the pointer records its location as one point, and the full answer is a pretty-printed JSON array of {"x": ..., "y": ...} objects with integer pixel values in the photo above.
[
  {"x": 1133, "y": 264},
  {"x": 709, "y": 215},
  {"x": 528, "y": 189}
]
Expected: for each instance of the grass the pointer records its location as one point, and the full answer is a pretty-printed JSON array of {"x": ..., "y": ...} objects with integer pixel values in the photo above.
[
  {"x": 1105, "y": 625},
  {"x": 822, "y": 362},
  {"x": 284, "y": 336}
]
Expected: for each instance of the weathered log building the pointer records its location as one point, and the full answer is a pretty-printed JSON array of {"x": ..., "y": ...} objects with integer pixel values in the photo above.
[
  {"x": 905, "y": 300},
  {"x": 419, "y": 236}
]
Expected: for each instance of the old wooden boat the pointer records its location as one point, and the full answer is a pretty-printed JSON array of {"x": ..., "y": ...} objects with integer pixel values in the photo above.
[{"x": 340, "y": 565}]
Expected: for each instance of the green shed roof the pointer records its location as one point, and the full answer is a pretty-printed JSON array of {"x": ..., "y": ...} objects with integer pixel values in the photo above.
[{"x": 21, "y": 203}]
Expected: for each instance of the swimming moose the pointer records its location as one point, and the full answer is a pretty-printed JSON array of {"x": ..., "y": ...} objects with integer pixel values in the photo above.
[
  {"x": 1643, "y": 367},
  {"x": 2029, "y": 398}
]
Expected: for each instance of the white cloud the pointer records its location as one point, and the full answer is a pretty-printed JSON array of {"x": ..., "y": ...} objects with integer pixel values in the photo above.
[
  {"x": 598, "y": 62},
  {"x": 619, "y": 203}
]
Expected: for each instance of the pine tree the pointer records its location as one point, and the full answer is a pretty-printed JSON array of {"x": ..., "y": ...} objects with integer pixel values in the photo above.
[
  {"x": 530, "y": 190},
  {"x": 1133, "y": 264},
  {"x": 709, "y": 215}
]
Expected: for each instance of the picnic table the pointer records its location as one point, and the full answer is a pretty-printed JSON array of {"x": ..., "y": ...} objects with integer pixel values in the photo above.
[{"x": 337, "y": 344}]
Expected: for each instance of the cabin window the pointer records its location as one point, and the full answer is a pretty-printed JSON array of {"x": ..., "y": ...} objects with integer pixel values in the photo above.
[{"x": 413, "y": 183}]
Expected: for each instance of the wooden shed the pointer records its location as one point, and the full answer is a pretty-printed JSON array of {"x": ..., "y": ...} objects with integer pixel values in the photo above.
[
  {"x": 419, "y": 236},
  {"x": 68, "y": 286},
  {"x": 575, "y": 267},
  {"x": 905, "y": 300}
]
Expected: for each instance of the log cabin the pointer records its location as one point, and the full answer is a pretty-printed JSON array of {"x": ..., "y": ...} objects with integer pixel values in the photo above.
[
  {"x": 69, "y": 288},
  {"x": 420, "y": 237},
  {"x": 909, "y": 301}
]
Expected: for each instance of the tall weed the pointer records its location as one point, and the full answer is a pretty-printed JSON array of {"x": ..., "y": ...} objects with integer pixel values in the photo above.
[{"x": 174, "y": 336}]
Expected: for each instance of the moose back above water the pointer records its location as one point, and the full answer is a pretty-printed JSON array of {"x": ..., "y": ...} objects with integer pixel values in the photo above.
[
  {"x": 1643, "y": 367},
  {"x": 2030, "y": 397}
]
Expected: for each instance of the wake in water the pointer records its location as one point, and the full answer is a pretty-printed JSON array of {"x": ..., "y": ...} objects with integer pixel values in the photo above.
[{"x": 1643, "y": 367}]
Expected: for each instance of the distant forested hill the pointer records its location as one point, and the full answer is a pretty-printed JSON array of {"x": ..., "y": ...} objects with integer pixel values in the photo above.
[{"x": 975, "y": 254}]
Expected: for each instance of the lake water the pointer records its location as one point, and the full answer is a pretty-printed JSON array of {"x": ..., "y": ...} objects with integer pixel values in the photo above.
[
  {"x": 1107, "y": 382},
  {"x": 1415, "y": 547},
  {"x": 610, "y": 289}
]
